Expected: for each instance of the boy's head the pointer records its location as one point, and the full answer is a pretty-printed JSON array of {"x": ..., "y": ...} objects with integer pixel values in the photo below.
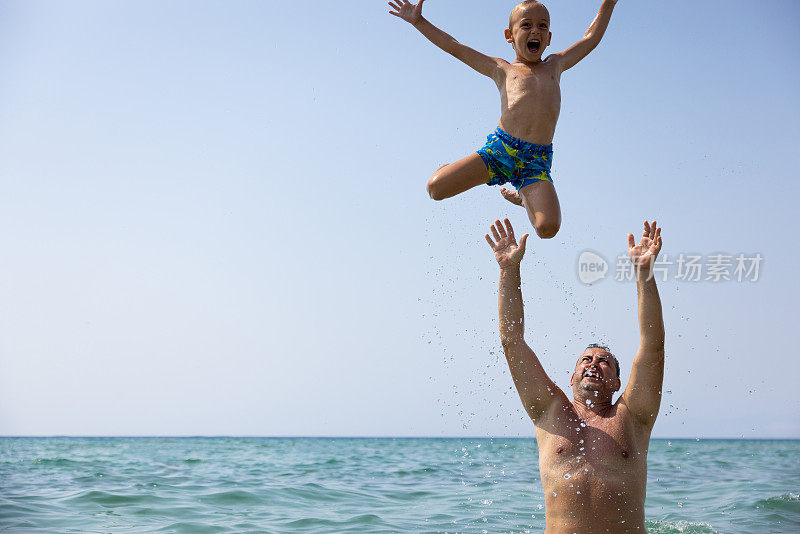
[{"x": 529, "y": 30}]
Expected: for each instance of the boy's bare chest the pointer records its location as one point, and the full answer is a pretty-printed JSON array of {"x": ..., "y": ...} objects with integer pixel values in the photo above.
[{"x": 525, "y": 86}]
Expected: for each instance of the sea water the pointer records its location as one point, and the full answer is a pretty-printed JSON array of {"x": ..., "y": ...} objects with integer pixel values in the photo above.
[{"x": 199, "y": 485}]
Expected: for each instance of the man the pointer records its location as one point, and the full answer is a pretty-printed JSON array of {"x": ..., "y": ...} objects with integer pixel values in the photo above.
[{"x": 592, "y": 451}]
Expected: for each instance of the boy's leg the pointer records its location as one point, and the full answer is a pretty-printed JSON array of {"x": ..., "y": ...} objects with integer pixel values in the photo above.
[
  {"x": 454, "y": 178},
  {"x": 541, "y": 202}
]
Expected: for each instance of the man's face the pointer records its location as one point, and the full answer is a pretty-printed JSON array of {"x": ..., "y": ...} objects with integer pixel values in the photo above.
[
  {"x": 595, "y": 371},
  {"x": 529, "y": 31}
]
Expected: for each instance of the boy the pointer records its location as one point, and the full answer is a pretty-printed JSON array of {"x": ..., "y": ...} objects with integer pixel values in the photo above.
[{"x": 520, "y": 150}]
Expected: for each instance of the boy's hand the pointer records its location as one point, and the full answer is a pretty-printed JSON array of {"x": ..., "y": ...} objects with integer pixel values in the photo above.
[
  {"x": 511, "y": 196},
  {"x": 506, "y": 251},
  {"x": 411, "y": 13},
  {"x": 644, "y": 254}
]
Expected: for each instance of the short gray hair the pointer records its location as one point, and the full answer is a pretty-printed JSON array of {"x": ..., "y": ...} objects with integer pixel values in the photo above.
[{"x": 605, "y": 348}]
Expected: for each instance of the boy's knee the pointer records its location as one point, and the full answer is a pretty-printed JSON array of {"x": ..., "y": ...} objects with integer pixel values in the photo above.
[
  {"x": 548, "y": 229},
  {"x": 434, "y": 188}
]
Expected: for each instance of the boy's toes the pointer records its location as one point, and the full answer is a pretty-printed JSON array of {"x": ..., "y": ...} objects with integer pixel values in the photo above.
[{"x": 511, "y": 196}]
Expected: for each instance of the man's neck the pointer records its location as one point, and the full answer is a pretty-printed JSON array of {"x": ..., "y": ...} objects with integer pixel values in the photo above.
[{"x": 589, "y": 406}]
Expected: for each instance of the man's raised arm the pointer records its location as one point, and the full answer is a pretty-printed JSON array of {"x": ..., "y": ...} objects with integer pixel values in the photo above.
[
  {"x": 535, "y": 388},
  {"x": 643, "y": 394}
]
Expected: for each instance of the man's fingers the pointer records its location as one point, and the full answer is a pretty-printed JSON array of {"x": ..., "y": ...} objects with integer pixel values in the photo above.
[
  {"x": 489, "y": 240},
  {"x": 494, "y": 232},
  {"x": 509, "y": 229},
  {"x": 500, "y": 228},
  {"x": 631, "y": 241},
  {"x": 653, "y": 230},
  {"x": 522, "y": 241}
]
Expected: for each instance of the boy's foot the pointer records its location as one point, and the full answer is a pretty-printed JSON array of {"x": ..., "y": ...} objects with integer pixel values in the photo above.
[{"x": 511, "y": 196}]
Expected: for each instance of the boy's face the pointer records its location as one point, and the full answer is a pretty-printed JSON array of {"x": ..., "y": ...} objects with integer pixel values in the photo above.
[{"x": 529, "y": 31}]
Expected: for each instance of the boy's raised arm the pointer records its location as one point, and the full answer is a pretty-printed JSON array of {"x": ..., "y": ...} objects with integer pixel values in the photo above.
[
  {"x": 536, "y": 390},
  {"x": 412, "y": 13},
  {"x": 572, "y": 55}
]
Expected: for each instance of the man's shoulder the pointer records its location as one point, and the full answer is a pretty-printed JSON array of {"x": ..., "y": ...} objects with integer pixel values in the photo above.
[{"x": 559, "y": 414}]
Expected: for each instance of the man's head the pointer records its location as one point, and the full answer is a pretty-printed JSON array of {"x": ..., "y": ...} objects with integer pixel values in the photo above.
[
  {"x": 529, "y": 30},
  {"x": 596, "y": 375}
]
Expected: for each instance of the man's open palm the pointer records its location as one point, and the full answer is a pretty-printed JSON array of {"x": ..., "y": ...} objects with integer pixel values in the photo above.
[
  {"x": 506, "y": 250},
  {"x": 406, "y": 10},
  {"x": 644, "y": 254}
]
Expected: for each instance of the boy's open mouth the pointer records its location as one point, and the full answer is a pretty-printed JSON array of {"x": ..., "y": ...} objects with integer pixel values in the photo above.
[{"x": 533, "y": 46}]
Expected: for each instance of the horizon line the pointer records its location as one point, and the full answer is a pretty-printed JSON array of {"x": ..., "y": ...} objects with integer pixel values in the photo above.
[{"x": 254, "y": 436}]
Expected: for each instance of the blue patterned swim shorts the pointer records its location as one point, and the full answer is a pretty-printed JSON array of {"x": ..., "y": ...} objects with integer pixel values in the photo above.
[{"x": 513, "y": 160}]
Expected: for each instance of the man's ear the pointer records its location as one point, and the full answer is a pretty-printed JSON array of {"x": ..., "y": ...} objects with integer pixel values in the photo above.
[
  {"x": 617, "y": 384},
  {"x": 509, "y": 36},
  {"x": 571, "y": 379}
]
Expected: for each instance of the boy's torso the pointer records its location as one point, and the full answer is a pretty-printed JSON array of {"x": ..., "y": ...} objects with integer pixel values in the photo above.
[
  {"x": 594, "y": 472},
  {"x": 530, "y": 99}
]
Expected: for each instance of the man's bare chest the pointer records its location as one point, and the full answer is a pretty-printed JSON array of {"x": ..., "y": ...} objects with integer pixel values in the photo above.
[{"x": 574, "y": 446}]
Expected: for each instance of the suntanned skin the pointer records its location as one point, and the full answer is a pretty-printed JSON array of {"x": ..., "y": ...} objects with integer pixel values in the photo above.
[
  {"x": 592, "y": 450},
  {"x": 530, "y": 98}
]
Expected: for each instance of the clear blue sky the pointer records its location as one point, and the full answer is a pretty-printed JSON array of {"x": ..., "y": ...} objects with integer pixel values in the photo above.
[{"x": 213, "y": 217}]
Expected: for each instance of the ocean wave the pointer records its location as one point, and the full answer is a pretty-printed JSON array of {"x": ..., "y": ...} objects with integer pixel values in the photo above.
[
  {"x": 231, "y": 498},
  {"x": 779, "y": 500},
  {"x": 192, "y": 528},
  {"x": 680, "y": 527},
  {"x": 363, "y": 520},
  {"x": 108, "y": 499},
  {"x": 58, "y": 462}
]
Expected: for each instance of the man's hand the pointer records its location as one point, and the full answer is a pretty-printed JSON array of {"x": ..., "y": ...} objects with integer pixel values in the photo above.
[
  {"x": 411, "y": 13},
  {"x": 644, "y": 254},
  {"x": 506, "y": 250}
]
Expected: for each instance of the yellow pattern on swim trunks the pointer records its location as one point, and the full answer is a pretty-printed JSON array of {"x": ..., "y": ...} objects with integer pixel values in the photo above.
[{"x": 511, "y": 152}]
